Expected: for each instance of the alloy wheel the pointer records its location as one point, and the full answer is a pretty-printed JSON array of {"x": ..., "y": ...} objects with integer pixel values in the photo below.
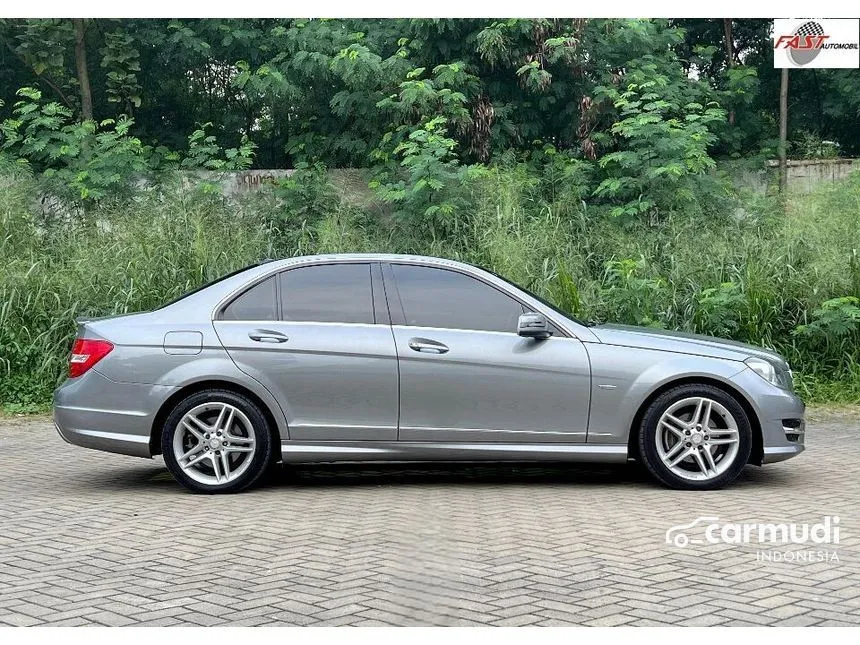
[
  {"x": 214, "y": 443},
  {"x": 697, "y": 438}
]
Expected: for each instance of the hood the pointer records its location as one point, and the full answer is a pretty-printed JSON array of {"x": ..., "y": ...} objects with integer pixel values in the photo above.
[{"x": 676, "y": 341}]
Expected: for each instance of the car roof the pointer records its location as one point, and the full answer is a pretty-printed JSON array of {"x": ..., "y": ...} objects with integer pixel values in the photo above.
[{"x": 367, "y": 257}]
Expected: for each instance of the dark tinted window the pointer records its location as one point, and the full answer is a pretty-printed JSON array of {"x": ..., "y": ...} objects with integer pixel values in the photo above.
[
  {"x": 257, "y": 303},
  {"x": 328, "y": 293},
  {"x": 450, "y": 300},
  {"x": 544, "y": 302}
]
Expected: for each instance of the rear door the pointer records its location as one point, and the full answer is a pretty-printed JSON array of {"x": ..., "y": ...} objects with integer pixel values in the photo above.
[
  {"x": 465, "y": 374},
  {"x": 318, "y": 337}
]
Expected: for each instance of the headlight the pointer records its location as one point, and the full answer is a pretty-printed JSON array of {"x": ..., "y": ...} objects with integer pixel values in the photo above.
[{"x": 766, "y": 370}]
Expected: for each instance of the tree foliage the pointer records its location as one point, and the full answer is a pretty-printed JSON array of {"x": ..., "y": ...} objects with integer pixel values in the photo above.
[
  {"x": 90, "y": 159},
  {"x": 635, "y": 110}
]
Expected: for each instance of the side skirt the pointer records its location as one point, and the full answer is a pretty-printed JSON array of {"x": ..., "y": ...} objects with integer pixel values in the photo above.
[{"x": 306, "y": 451}]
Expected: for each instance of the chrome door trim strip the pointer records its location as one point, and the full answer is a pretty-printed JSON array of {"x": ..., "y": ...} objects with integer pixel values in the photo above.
[{"x": 317, "y": 451}]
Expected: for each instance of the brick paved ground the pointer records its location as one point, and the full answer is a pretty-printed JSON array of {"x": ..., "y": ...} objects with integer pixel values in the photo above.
[{"x": 91, "y": 538}]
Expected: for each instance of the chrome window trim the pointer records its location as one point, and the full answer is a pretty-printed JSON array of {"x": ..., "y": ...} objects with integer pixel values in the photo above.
[
  {"x": 492, "y": 284},
  {"x": 279, "y": 266},
  {"x": 225, "y": 302}
]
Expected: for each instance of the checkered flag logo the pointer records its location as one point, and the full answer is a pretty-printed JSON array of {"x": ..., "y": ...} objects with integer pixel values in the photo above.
[
  {"x": 810, "y": 28},
  {"x": 804, "y": 56}
]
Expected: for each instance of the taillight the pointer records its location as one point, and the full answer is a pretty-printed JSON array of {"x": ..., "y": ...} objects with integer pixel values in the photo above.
[{"x": 86, "y": 352}]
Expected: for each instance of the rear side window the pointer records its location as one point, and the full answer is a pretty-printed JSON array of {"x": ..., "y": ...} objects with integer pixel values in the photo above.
[
  {"x": 327, "y": 293},
  {"x": 446, "y": 299},
  {"x": 257, "y": 303}
]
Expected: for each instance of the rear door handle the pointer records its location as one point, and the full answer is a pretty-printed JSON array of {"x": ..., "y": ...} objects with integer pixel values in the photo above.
[
  {"x": 427, "y": 346},
  {"x": 267, "y": 336}
]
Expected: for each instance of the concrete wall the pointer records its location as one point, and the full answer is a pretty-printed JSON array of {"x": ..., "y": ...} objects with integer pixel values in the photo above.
[
  {"x": 803, "y": 174},
  {"x": 237, "y": 183}
]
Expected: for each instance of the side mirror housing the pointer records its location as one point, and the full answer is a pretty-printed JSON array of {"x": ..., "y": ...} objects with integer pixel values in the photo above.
[{"x": 533, "y": 325}]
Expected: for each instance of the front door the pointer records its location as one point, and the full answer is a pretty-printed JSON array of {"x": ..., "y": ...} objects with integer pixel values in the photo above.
[
  {"x": 465, "y": 374},
  {"x": 320, "y": 341}
]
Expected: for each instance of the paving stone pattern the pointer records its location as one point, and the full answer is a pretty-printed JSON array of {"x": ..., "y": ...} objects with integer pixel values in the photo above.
[{"x": 88, "y": 538}]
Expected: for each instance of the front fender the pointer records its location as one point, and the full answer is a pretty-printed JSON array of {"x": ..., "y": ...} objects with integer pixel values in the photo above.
[{"x": 624, "y": 377}]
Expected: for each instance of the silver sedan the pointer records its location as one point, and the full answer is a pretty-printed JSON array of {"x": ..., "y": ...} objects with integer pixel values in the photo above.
[{"x": 389, "y": 357}]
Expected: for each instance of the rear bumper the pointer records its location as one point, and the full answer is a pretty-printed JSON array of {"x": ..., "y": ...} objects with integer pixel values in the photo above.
[{"x": 95, "y": 412}]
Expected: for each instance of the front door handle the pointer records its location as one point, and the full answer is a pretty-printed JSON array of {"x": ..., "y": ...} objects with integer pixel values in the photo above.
[
  {"x": 428, "y": 346},
  {"x": 267, "y": 336}
]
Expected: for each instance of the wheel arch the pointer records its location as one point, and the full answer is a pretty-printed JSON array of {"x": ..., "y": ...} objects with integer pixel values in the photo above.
[
  {"x": 209, "y": 384},
  {"x": 757, "y": 452}
]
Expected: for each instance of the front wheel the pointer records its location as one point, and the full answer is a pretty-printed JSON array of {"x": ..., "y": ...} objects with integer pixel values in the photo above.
[
  {"x": 695, "y": 437},
  {"x": 216, "y": 441}
]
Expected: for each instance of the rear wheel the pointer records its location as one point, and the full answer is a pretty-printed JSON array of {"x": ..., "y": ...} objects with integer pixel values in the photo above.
[
  {"x": 695, "y": 437},
  {"x": 216, "y": 441}
]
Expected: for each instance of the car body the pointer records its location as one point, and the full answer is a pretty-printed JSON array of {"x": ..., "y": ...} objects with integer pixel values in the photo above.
[{"x": 389, "y": 357}]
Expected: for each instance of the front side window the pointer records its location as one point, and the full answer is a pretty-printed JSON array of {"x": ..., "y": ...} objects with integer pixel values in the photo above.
[
  {"x": 327, "y": 293},
  {"x": 257, "y": 303},
  {"x": 445, "y": 299}
]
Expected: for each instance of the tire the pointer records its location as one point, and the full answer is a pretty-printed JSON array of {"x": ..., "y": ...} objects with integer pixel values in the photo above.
[
  {"x": 216, "y": 441},
  {"x": 673, "y": 447}
]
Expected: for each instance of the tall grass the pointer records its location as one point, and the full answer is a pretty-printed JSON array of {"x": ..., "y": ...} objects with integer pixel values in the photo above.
[
  {"x": 121, "y": 258},
  {"x": 754, "y": 277}
]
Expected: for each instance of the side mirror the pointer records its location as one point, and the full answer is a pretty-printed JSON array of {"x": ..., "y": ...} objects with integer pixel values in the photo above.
[{"x": 533, "y": 325}]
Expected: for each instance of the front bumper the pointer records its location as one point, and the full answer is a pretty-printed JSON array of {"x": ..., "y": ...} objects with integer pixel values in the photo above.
[
  {"x": 781, "y": 415},
  {"x": 787, "y": 436},
  {"x": 773, "y": 454},
  {"x": 95, "y": 412}
]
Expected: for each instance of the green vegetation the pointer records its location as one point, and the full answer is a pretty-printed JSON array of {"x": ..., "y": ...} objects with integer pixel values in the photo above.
[
  {"x": 790, "y": 282},
  {"x": 585, "y": 159},
  {"x": 328, "y": 90}
]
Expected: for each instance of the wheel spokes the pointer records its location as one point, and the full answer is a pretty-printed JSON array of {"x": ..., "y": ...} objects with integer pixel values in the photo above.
[
  {"x": 697, "y": 438},
  {"x": 700, "y": 462},
  {"x": 203, "y": 455},
  {"x": 206, "y": 438},
  {"x": 709, "y": 460},
  {"x": 216, "y": 467},
  {"x": 195, "y": 426},
  {"x": 723, "y": 436},
  {"x": 677, "y": 460},
  {"x": 225, "y": 419},
  {"x": 702, "y": 415},
  {"x": 674, "y": 425},
  {"x": 198, "y": 446},
  {"x": 225, "y": 464},
  {"x": 679, "y": 446}
]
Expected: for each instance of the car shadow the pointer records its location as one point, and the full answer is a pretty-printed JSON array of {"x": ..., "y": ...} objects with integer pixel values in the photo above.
[
  {"x": 501, "y": 473},
  {"x": 156, "y": 478},
  {"x": 453, "y": 473}
]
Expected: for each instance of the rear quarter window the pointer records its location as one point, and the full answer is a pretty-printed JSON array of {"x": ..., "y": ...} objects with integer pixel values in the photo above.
[{"x": 257, "y": 303}]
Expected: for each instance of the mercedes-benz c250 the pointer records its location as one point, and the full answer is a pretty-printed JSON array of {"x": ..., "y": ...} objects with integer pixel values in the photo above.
[{"x": 388, "y": 357}]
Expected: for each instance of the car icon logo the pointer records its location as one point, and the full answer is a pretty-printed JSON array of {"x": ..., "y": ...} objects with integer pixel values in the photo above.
[{"x": 679, "y": 535}]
